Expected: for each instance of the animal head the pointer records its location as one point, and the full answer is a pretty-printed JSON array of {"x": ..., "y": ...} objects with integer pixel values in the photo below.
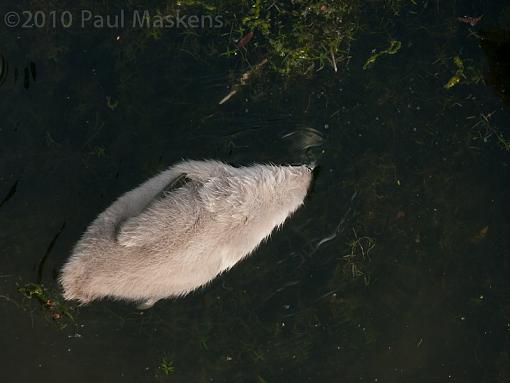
[
  {"x": 282, "y": 188},
  {"x": 264, "y": 193}
]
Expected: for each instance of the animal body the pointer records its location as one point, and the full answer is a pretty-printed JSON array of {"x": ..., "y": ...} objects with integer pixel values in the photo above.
[{"x": 180, "y": 229}]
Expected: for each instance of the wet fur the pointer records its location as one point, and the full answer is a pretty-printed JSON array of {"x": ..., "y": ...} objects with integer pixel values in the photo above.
[{"x": 166, "y": 237}]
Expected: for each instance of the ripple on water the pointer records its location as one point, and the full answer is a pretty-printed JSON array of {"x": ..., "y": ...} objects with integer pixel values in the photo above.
[{"x": 305, "y": 140}]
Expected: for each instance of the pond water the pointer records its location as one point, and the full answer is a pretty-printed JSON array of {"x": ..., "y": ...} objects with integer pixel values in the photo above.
[{"x": 397, "y": 267}]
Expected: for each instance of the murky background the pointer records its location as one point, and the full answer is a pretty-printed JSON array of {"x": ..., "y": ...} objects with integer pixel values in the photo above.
[{"x": 395, "y": 270}]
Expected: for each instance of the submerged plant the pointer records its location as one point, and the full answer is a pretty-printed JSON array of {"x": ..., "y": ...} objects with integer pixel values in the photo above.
[
  {"x": 167, "y": 366},
  {"x": 98, "y": 152},
  {"x": 459, "y": 73},
  {"x": 359, "y": 256},
  {"x": 111, "y": 104},
  {"x": 394, "y": 47}
]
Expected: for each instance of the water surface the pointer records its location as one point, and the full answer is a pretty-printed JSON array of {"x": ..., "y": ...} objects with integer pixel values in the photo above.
[{"x": 395, "y": 270}]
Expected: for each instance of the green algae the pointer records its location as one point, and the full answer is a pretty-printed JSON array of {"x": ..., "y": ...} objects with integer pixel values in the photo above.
[
  {"x": 393, "y": 48},
  {"x": 459, "y": 73}
]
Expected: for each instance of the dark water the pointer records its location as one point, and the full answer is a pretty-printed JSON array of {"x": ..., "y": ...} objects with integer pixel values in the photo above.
[{"x": 395, "y": 270}]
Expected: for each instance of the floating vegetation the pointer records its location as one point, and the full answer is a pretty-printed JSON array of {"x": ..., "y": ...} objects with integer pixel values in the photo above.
[
  {"x": 55, "y": 310},
  {"x": 297, "y": 37},
  {"x": 394, "y": 47},
  {"x": 303, "y": 36},
  {"x": 167, "y": 366},
  {"x": 459, "y": 74}
]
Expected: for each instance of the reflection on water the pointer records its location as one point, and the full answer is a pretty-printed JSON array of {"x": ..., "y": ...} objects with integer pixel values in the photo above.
[
  {"x": 395, "y": 270},
  {"x": 4, "y": 69},
  {"x": 29, "y": 73},
  {"x": 10, "y": 193},
  {"x": 496, "y": 44}
]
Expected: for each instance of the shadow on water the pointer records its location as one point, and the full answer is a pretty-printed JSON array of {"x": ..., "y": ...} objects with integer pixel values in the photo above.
[
  {"x": 10, "y": 193},
  {"x": 496, "y": 45},
  {"x": 4, "y": 69},
  {"x": 28, "y": 76}
]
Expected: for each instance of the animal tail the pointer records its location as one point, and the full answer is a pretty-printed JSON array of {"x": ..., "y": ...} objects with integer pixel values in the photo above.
[{"x": 100, "y": 237}]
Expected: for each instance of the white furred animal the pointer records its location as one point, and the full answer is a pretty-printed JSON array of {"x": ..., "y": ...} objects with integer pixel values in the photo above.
[{"x": 180, "y": 229}]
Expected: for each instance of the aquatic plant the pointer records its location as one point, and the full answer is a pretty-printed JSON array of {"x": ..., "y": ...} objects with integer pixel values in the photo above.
[
  {"x": 394, "y": 47},
  {"x": 298, "y": 37},
  {"x": 55, "y": 309},
  {"x": 166, "y": 366},
  {"x": 304, "y": 36},
  {"x": 459, "y": 73},
  {"x": 358, "y": 256}
]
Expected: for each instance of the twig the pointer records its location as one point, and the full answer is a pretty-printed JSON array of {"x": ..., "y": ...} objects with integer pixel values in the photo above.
[
  {"x": 243, "y": 80},
  {"x": 333, "y": 60}
]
